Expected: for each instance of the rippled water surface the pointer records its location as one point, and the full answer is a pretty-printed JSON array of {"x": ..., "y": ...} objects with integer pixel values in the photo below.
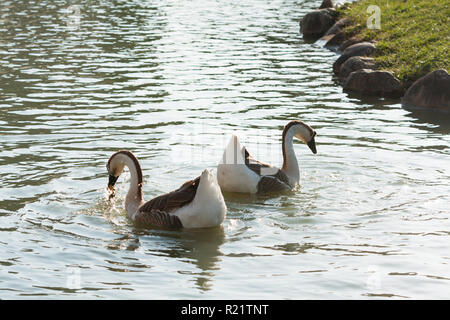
[{"x": 171, "y": 81}]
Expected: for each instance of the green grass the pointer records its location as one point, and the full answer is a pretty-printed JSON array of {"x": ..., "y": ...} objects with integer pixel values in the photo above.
[{"x": 414, "y": 38}]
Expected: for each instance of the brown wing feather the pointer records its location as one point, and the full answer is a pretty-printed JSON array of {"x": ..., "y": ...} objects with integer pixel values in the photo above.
[
  {"x": 254, "y": 164},
  {"x": 156, "y": 212},
  {"x": 280, "y": 175},
  {"x": 159, "y": 219},
  {"x": 173, "y": 200},
  {"x": 260, "y": 168},
  {"x": 271, "y": 184}
]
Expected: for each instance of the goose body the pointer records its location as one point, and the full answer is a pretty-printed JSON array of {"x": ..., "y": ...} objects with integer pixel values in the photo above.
[
  {"x": 240, "y": 172},
  {"x": 198, "y": 203}
]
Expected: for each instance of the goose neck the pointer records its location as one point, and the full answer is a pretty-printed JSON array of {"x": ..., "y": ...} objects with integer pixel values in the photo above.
[
  {"x": 290, "y": 164},
  {"x": 133, "y": 198}
]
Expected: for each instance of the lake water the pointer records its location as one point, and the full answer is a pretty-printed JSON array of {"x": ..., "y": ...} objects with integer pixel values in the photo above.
[{"x": 171, "y": 81}]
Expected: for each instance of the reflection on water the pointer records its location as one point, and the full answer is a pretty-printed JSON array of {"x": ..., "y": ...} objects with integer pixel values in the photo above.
[
  {"x": 436, "y": 122},
  {"x": 171, "y": 81},
  {"x": 199, "y": 247}
]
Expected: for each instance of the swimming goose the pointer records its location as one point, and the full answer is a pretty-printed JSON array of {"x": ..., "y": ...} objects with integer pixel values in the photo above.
[
  {"x": 197, "y": 203},
  {"x": 240, "y": 172}
]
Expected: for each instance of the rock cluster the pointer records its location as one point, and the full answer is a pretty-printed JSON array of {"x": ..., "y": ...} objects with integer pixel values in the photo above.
[{"x": 358, "y": 72}]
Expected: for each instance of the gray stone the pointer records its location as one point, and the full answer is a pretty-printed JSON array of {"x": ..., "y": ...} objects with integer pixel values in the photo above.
[
  {"x": 335, "y": 36},
  {"x": 431, "y": 92},
  {"x": 327, "y": 4},
  {"x": 356, "y": 63},
  {"x": 334, "y": 41},
  {"x": 338, "y": 26},
  {"x": 316, "y": 23},
  {"x": 359, "y": 49},
  {"x": 348, "y": 43},
  {"x": 374, "y": 83}
]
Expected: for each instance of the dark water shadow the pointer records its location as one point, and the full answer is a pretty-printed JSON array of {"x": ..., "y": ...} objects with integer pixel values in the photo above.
[
  {"x": 196, "y": 246},
  {"x": 440, "y": 121},
  {"x": 373, "y": 100},
  {"x": 199, "y": 246},
  {"x": 249, "y": 198}
]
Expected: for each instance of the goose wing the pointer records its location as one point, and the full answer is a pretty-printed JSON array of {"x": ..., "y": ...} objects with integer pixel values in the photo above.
[
  {"x": 272, "y": 184},
  {"x": 270, "y": 174},
  {"x": 159, "y": 219},
  {"x": 156, "y": 212},
  {"x": 255, "y": 165}
]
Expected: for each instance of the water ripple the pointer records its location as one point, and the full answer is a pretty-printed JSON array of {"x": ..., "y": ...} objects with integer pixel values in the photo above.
[{"x": 171, "y": 81}]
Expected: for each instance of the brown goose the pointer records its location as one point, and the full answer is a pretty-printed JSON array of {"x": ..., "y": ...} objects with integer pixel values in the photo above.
[
  {"x": 239, "y": 172},
  {"x": 197, "y": 203}
]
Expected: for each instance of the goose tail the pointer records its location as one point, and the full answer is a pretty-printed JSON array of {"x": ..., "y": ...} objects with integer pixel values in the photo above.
[{"x": 233, "y": 152}]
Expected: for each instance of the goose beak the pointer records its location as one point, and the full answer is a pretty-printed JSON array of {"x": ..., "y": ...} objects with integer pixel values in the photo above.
[
  {"x": 112, "y": 182},
  {"x": 312, "y": 145}
]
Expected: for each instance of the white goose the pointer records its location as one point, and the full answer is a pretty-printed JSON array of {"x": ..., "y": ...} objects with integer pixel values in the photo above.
[
  {"x": 239, "y": 172},
  {"x": 197, "y": 203}
]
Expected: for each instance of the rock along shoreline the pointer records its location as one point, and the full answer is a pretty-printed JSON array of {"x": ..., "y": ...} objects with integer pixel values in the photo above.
[{"x": 358, "y": 72}]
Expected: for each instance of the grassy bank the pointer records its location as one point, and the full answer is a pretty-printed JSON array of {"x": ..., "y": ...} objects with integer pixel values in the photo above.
[{"x": 414, "y": 36}]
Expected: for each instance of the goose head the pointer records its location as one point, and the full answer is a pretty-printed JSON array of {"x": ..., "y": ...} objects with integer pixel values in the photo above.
[
  {"x": 115, "y": 168},
  {"x": 303, "y": 132},
  {"x": 116, "y": 165}
]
